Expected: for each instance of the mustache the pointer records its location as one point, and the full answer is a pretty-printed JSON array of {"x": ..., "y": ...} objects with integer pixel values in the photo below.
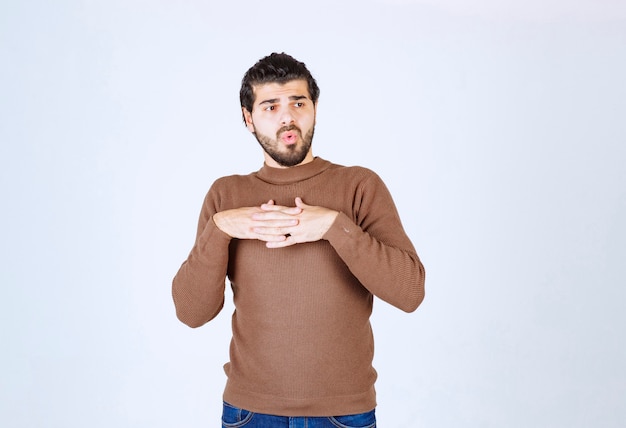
[{"x": 288, "y": 128}]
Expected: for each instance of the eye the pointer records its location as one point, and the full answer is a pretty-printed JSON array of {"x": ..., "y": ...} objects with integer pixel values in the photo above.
[
  {"x": 299, "y": 104},
  {"x": 270, "y": 108}
]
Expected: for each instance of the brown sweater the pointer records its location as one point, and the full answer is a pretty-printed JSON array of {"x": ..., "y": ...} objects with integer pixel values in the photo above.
[{"x": 302, "y": 343}]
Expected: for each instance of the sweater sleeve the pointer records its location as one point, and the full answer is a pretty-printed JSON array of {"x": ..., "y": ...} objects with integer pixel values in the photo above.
[
  {"x": 376, "y": 248},
  {"x": 198, "y": 287}
]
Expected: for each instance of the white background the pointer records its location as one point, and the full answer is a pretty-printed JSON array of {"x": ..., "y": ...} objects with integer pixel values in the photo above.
[{"x": 499, "y": 127}]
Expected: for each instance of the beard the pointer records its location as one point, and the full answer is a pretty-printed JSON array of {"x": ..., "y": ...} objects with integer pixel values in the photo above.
[{"x": 293, "y": 154}]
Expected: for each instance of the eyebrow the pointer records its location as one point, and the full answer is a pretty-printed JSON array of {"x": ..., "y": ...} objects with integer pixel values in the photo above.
[{"x": 291, "y": 98}]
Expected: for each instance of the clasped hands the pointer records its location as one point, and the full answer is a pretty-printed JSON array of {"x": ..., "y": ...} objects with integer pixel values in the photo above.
[{"x": 278, "y": 226}]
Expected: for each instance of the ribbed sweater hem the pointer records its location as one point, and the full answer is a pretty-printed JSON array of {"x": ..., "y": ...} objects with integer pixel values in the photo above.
[{"x": 308, "y": 406}]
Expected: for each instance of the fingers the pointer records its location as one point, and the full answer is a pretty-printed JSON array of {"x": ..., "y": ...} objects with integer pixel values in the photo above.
[
  {"x": 297, "y": 209},
  {"x": 285, "y": 242},
  {"x": 276, "y": 224},
  {"x": 274, "y": 237},
  {"x": 299, "y": 203},
  {"x": 271, "y": 231},
  {"x": 281, "y": 209},
  {"x": 272, "y": 207},
  {"x": 275, "y": 218}
]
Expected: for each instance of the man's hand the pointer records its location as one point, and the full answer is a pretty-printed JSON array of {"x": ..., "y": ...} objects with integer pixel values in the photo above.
[
  {"x": 279, "y": 226},
  {"x": 313, "y": 223},
  {"x": 265, "y": 223}
]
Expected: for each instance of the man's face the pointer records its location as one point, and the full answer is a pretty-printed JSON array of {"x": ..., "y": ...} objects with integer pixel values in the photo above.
[{"x": 283, "y": 122}]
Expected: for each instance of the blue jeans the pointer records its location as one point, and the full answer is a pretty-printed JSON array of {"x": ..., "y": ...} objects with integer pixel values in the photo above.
[{"x": 234, "y": 417}]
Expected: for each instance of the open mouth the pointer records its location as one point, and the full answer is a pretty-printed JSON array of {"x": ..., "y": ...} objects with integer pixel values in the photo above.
[
  {"x": 289, "y": 137},
  {"x": 289, "y": 134}
]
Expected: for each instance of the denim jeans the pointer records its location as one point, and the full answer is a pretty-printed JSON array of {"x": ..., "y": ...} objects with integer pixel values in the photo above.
[{"x": 234, "y": 417}]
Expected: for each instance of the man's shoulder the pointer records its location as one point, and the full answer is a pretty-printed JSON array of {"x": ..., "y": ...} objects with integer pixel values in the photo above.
[
  {"x": 234, "y": 179},
  {"x": 356, "y": 171}
]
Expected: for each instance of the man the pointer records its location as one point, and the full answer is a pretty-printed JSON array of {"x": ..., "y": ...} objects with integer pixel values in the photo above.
[{"x": 306, "y": 244}]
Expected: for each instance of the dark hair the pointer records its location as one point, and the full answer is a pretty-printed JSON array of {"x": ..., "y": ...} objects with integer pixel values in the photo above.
[{"x": 275, "y": 68}]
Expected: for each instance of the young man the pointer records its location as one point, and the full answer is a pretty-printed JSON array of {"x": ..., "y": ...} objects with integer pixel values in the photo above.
[{"x": 306, "y": 244}]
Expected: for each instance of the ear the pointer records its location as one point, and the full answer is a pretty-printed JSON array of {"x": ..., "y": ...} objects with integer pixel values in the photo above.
[{"x": 248, "y": 118}]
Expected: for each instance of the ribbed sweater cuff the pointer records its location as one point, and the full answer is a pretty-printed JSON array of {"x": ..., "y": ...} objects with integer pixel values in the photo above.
[
  {"x": 211, "y": 237},
  {"x": 341, "y": 231}
]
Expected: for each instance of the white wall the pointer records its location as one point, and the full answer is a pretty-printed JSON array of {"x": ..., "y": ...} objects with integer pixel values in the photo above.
[{"x": 498, "y": 126}]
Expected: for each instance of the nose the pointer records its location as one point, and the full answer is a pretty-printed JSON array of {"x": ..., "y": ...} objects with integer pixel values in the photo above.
[{"x": 286, "y": 117}]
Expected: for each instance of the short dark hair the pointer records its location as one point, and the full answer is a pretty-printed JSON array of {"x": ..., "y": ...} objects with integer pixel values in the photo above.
[{"x": 275, "y": 68}]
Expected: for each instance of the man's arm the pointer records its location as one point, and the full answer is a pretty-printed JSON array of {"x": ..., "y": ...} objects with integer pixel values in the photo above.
[
  {"x": 198, "y": 287},
  {"x": 374, "y": 246},
  {"x": 376, "y": 250},
  {"x": 392, "y": 272}
]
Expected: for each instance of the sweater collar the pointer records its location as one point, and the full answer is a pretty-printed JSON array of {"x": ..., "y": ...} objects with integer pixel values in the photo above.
[{"x": 293, "y": 174}]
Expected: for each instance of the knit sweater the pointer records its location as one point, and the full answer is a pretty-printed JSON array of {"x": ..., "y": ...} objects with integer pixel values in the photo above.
[{"x": 302, "y": 343}]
